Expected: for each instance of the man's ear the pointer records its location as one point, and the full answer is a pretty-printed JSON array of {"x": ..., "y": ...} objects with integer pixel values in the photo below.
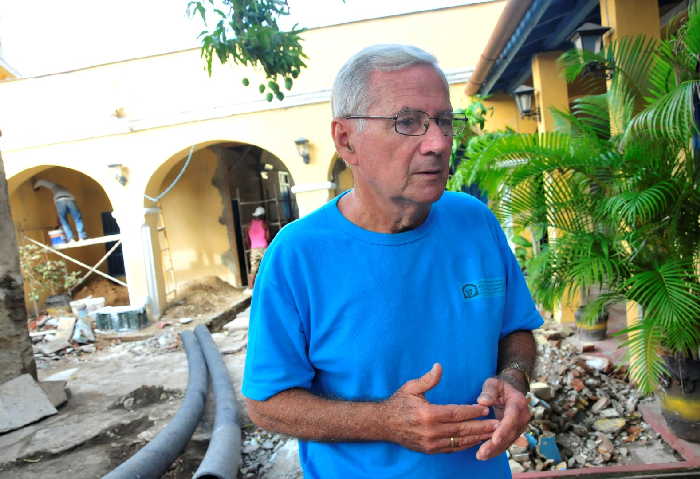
[{"x": 341, "y": 137}]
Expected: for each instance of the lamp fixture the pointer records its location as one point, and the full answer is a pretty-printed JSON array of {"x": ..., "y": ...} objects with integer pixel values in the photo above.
[
  {"x": 303, "y": 149},
  {"x": 589, "y": 37},
  {"x": 524, "y": 96},
  {"x": 121, "y": 173}
]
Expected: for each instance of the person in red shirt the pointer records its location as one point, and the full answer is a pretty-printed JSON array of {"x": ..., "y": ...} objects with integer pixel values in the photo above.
[{"x": 258, "y": 236}]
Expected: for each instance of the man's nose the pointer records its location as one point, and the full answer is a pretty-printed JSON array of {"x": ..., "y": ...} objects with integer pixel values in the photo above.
[{"x": 434, "y": 141}]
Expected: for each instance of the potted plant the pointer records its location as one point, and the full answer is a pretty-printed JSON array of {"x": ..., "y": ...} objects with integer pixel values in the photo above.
[
  {"x": 549, "y": 188},
  {"x": 656, "y": 104},
  {"x": 47, "y": 280},
  {"x": 622, "y": 182}
]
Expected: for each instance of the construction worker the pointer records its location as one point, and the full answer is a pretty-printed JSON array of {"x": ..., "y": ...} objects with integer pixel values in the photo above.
[
  {"x": 65, "y": 205},
  {"x": 258, "y": 237}
]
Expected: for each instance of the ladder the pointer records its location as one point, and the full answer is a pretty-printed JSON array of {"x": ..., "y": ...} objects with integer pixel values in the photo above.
[{"x": 166, "y": 258}]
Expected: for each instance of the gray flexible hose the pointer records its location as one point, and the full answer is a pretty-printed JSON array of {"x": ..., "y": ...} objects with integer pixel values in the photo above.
[
  {"x": 223, "y": 455},
  {"x": 154, "y": 458}
]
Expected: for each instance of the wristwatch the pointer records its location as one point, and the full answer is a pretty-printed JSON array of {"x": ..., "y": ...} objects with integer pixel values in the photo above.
[{"x": 519, "y": 366}]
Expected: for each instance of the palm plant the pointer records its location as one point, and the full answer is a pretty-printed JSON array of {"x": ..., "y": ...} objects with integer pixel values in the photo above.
[{"x": 618, "y": 183}]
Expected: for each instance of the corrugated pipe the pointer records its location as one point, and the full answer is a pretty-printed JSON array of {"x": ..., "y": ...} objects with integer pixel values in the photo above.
[
  {"x": 508, "y": 21},
  {"x": 223, "y": 455},
  {"x": 154, "y": 458}
]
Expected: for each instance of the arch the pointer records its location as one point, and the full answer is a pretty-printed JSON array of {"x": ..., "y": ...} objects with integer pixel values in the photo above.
[
  {"x": 176, "y": 153},
  {"x": 202, "y": 218},
  {"x": 34, "y": 213},
  {"x": 340, "y": 175}
]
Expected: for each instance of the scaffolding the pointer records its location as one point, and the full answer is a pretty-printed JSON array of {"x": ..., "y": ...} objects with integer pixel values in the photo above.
[{"x": 79, "y": 244}]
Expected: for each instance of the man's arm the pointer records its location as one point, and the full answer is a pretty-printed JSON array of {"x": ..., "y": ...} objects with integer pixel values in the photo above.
[
  {"x": 506, "y": 392},
  {"x": 406, "y": 418},
  {"x": 516, "y": 359}
]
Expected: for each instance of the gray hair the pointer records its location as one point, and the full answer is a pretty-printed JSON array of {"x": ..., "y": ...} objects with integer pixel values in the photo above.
[{"x": 351, "y": 94}]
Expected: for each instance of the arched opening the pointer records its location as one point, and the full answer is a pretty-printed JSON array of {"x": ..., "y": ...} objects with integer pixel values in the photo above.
[
  {"x": 35, "y": 214},
  {"x": 202, "y": 218},
  {"x": 341, "y": 175}
]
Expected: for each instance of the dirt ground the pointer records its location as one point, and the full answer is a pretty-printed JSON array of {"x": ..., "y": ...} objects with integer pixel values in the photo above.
[
  {"x": 198, "y": 300},
  {"x": 123, "y": 393},
  {"x": 98, "y": 287},
  {"x": 203, "y": 297}
]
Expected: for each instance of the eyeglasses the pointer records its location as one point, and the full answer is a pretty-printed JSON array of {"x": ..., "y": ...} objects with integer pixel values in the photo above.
[{"x": 416, "y": 122}]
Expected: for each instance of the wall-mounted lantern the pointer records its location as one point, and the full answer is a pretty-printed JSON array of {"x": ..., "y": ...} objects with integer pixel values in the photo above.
[
  {"x": 524, "y": 97},
  {"x": 589, "y": 37},
  {"x": 303, "y": 149},
  {"x": 121, "y": 173}
]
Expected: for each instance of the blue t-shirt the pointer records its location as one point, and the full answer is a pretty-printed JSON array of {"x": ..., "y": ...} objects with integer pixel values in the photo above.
[{"x": 352, "y": 314}]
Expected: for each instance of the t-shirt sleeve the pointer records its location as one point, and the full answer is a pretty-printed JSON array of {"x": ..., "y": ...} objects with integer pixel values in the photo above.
[
  {"x": 520, "y": 312},
  {"x": 277, "y": 357}
]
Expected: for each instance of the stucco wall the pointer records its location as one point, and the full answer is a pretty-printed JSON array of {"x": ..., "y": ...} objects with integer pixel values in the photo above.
[
  {"x": 34, "y": 213},
  {"x": 168, "y": 103},
  {"x": 191, "y": 212}
]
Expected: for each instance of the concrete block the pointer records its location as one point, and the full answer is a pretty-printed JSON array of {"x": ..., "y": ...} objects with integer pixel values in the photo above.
[
  {"x": 22, "y": 402},
  {"x": 55, "y": 391},
  {"x": 54, "y": 346},
  {"x": 62, "y": 375},
  {"x": 64, "y": 330},
  {"x": 651, "y": 454}
]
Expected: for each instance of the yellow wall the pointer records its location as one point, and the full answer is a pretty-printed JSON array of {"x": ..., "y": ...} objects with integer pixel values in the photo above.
[
  {"x": 34, "y": 213},
  {"x": 631, "y": 17},
  {"x": 505, "y": 115},
  {"x": 191, "y": 214},
  {"x": 168, "y": 103}
]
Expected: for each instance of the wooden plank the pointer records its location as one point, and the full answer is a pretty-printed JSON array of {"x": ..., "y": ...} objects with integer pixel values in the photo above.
[
  {"x": 88, "y": 242},
  {"x": 104, "y": 275}
]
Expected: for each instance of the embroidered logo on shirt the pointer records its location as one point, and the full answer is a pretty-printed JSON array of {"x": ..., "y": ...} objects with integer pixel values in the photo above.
[
  {"x": 487, "y": 287},
  {"x": 470, "y": 291}
]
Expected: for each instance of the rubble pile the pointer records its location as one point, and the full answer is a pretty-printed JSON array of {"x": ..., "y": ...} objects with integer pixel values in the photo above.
[
  {"x": 268, "y": 455},
  {"x": 584, "y": 411},
  {"x": 53, "y": 337}
]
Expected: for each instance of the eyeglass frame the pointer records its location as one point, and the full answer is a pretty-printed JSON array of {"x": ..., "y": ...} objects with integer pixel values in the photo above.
[{"x": 426, "y": 125}]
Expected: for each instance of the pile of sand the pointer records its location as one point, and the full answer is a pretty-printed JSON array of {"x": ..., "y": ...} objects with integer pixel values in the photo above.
[
  {"x": 202, "y": 297},
  {"x": 98, "y": 287}
]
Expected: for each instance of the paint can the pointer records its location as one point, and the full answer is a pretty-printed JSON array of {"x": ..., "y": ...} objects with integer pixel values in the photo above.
[{"x": 56, "y": 237}]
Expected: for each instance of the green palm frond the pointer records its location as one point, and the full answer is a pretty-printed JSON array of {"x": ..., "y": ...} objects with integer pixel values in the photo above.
[
  {"x": 692, "y": 30},
  {"x": 671, "y": 300},
  {"x": 671, "y": 116},
  {"x": 646, "y": 364},
  {"x": 635, "y": 207}
]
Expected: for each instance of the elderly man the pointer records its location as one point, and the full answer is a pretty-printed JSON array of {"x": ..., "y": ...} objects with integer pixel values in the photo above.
[{"x": 391, "y": 329}]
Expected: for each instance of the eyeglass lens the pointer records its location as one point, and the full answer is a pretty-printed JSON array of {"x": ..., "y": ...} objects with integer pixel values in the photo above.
[{"x": 416, "y": 122}]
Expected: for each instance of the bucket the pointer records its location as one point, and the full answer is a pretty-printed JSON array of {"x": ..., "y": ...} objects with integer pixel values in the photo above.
[{"x": 57, "y": 237}]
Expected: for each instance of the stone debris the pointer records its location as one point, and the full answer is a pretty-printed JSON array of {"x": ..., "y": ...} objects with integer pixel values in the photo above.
[
  {"x": 145, "y": 396},
  {"x": 55, "y": 337},
  {"x": 584, "y": 410},
  {"x": 55, "y": 391},
  {"x": 267, "y": 455},
  {"x": 22, "y": 402}
]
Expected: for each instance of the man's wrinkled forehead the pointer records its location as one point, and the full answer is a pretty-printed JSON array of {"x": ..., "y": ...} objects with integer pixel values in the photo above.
[{"x": 385, "y": 86}]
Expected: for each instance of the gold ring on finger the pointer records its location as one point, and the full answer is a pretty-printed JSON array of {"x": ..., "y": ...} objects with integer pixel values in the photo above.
[{"x": 452, "y": 442}]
